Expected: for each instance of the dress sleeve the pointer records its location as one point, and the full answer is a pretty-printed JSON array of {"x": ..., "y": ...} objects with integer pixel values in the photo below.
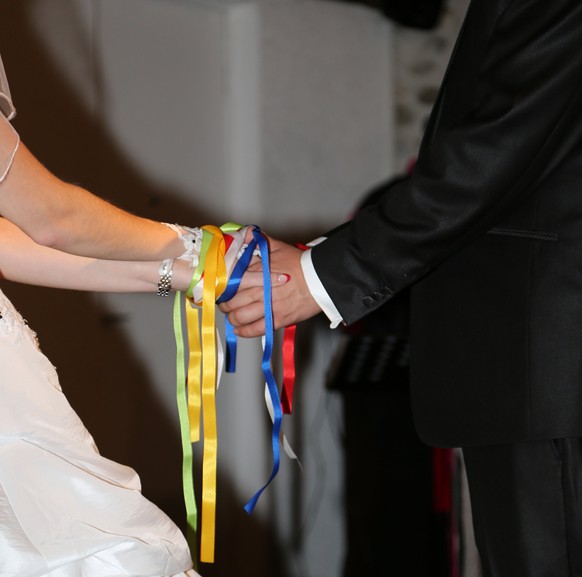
[{"x": 9, "y": 138}]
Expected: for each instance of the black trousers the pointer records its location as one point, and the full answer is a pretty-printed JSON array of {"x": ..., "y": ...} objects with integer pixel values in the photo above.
[
  {"x": 392, "y": 529},
  {"x": 526, "y": 501}
]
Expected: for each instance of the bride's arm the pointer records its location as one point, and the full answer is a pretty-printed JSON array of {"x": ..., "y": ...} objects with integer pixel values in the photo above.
[
  {"x": 69, "y": 218},
  {"x": 25, "y": 261}
]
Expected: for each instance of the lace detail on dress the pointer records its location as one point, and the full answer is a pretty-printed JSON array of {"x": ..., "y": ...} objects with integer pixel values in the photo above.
[{"x": 13, "y": 326}]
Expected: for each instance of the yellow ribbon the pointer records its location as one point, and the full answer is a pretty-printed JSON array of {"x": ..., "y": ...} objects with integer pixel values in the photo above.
[
  {"x": 194, "y": 368},
  {"x": 194, "y": 345},
  {"x": 214, "y": 284},
  {"x": 202, "y": 379}
]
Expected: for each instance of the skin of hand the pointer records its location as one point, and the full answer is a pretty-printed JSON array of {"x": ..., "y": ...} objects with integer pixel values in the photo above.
[
  {"x": 71, "y": 219},
  {"x": 25, "y": 261},
  {"x": 292, "y": 301}
]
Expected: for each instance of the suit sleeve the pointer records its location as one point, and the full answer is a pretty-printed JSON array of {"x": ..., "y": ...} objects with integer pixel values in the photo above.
[{"x": 508, "y": 100}]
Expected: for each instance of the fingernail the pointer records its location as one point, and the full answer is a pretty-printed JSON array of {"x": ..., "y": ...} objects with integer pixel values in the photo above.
[{"x": 284, "y": 278}]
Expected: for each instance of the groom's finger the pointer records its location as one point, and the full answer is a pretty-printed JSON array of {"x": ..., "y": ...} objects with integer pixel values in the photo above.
[
  {"x": 255, "y": 329},
  {"x": 255, "y": 279},
  {"x": 243, "y": 298},
  {"x": 247, "y": 314}
]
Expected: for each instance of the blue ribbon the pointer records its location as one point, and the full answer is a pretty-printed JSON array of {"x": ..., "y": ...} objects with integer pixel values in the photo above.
[
  {"x": 233, "y": 284},
  {"x": 230, "y": 290},
  {"x": 230, "y": 337},
  {"x": 266, "y": 366}
]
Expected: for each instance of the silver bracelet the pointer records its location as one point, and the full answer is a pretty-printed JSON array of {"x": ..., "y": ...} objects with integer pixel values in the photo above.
[{"x": 165, "y": 282}]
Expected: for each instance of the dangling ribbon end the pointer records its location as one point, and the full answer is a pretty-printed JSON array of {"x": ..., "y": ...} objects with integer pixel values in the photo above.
[
  {"x": 252, "y": 503},
  {"x": 230, "y": 338}
]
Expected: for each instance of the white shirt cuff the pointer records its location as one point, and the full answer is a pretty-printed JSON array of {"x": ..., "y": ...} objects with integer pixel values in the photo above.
[{"x": 317, "y": 289}]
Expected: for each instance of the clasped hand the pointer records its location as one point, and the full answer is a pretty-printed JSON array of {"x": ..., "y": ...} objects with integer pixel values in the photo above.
[{"x": 291, "y": 299}]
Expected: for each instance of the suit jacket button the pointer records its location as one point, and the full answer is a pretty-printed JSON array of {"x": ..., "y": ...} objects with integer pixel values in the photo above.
[{"x": 368, "y": 301}]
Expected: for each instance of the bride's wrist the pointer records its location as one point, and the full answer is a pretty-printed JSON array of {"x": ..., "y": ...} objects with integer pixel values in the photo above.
[
  {"x": 187, "y": 268},
  {"x": 181, "y": 276},
  {"x": 191, "y": 239}
]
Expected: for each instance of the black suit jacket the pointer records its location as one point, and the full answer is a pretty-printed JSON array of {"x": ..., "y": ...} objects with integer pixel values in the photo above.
[{"x": 488, "y": 234}]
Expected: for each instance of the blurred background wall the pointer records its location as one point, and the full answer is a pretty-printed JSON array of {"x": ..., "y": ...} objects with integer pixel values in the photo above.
[{"x": 276, "y": 112}]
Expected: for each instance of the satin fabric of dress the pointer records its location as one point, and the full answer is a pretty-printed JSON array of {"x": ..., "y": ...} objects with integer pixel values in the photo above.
[{"x": 65, "y": 510}]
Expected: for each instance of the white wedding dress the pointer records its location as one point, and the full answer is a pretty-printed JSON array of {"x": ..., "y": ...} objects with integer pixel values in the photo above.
[{"x": 66, "y": 511}]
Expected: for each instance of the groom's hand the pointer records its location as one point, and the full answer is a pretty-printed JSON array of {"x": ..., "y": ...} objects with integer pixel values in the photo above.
[{"x": 292, "y": 302}]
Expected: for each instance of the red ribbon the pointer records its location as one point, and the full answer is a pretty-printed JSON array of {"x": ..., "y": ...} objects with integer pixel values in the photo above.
[
  {"x": 288, "y": 369},
  {"x": 289, "y": 361}
]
